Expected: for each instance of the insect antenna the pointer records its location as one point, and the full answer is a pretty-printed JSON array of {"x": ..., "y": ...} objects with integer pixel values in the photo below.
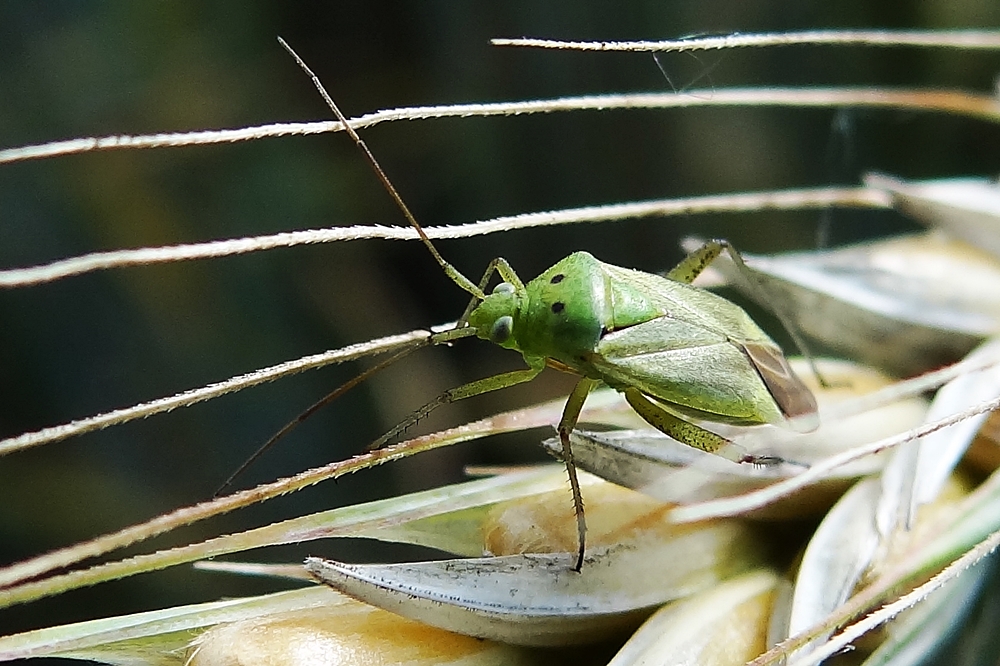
[
  {"x": 435, "y": 338},
  {"x": 316, "y": 406},
  {"x": 450, "y": 270}
]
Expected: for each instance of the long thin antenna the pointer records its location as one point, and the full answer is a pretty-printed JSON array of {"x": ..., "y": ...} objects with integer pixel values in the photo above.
[
  {"x": 451, "y": 271},
  {"x": 441, "y": 337},
  {"x": 316, "y": 406}
]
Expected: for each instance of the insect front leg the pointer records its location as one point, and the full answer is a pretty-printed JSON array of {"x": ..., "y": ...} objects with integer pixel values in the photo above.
[
  {"x": 477, "y": 387},
  {"x": 570, "y": 416},
  {"x": 689, "y": 433},
  {"x": 506, "y": 272}
]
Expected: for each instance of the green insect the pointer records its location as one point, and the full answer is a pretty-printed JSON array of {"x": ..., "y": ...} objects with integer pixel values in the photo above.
[{"x": 675, "y": 351}]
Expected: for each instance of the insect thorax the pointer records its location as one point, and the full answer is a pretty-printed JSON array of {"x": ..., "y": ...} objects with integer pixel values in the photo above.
[{"x": 568, "y": 308}]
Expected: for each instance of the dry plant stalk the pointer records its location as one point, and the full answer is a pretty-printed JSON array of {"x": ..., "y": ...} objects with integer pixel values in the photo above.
[{"x": 44, "y": 575}]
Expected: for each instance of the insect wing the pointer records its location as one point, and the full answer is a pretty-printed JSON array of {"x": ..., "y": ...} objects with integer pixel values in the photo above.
[
  {"x": 706, "y": 357},
  {"x": 697, "y": 372},
  {"x": 684, "y": 302},
  {"x": 794, "y": 398}
]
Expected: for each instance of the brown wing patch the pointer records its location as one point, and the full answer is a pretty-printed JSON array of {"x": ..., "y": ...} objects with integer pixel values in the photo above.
[{"x": 793, "y": 398}]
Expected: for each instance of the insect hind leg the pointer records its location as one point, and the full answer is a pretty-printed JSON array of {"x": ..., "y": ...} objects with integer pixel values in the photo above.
[
  {"x": 696, "y": 261},
  {"x": 693, "y": 435}
]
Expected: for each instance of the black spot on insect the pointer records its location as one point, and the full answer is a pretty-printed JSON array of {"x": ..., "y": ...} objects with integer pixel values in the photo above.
[
  {"x": 557, "y": 278},
  {"x": 558, "y": 307}
]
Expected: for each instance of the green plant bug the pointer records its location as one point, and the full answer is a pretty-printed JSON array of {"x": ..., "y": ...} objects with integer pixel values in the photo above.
[{"x": 674, "y": 351}]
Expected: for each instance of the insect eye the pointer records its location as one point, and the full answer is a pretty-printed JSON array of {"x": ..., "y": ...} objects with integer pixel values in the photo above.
[
  {"x": 504, "y": 288},
  {"x": 501, "y": 329}
]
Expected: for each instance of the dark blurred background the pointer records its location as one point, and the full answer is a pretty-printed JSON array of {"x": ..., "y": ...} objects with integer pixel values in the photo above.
[{"x": 93, "y": 343}]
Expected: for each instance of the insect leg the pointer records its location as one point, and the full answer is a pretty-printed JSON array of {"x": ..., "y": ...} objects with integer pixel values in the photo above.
[
  {"x": 459, "y": 393},
  {"x": 506, "y": 272},
  {"x": 775, "y": 307},
  {"x": 571, "y": 413},
  {"x": 692, "y": 265},
  {"x": 689, "y": 433}
]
